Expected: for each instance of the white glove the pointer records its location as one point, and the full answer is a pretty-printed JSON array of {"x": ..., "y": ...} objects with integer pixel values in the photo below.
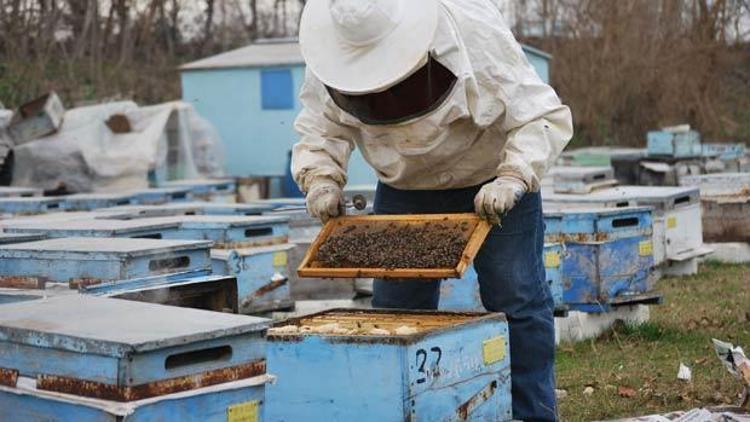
[
  {"x": 498, "y": 197},
  {"x": 324, "y": 199}
]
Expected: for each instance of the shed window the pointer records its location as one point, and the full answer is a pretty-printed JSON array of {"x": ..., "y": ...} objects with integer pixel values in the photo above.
[{"x": 276, "y": 89}]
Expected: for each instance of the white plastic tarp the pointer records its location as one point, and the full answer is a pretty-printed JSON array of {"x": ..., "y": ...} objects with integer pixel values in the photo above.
[{"x": 166, "y": 141}]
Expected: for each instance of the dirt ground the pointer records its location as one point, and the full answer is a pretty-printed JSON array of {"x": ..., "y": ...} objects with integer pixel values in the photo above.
[{"x": 633, "y": 370}]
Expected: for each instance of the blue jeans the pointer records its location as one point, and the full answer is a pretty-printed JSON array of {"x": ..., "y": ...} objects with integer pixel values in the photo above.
[{"x": 511, "y": 280}]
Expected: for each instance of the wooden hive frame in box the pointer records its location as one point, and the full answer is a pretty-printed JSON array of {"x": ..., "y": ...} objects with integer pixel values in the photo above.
[{"x": 478, "y": 230}]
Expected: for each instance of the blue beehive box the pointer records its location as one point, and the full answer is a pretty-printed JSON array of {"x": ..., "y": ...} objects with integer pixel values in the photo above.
[
  {"x": 229, "y": 231},
  {"x": 463, "y": 294},
  {"x": 83, "y": 261},
  {"x": 608, "y": 257},
  {"x": 239, "y": 400},
  {"x": 262, "y": 276},
  {"x": 192, "y": 289},
  {"x": 345, "y": 365},
  {"x": 157, "y": 196},
  {"x": 30, "y": 205},
  {"x": 14, "y": 191},
  {"x": 75, "y": 353},
  {"x": 54, "y": 228},
  {"x": 724, "y": 151},
  {"x": 215, "y": 190},
  {"x": 674, "y": 144},
  {"x": 92, "y": 201}
]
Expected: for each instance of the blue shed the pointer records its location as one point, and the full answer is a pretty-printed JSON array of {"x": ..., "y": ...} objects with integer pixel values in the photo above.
[{"x": 250, "y": 95}]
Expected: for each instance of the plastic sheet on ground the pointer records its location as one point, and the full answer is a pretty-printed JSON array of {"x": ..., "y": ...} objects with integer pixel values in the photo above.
[
  {"x": 167, "y": 141},
  {"x": 722, "y": 414}
]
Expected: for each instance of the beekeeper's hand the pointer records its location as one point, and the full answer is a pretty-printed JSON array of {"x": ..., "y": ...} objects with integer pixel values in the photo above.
[
  {"x": 498, "y": 197},
  {"x": 324, "y": 199}
]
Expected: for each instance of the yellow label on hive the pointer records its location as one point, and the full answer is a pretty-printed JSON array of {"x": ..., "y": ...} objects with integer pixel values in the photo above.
[
  {"x": 243, "y": 412},
  {"x": 671, "y": 222},
  {"x": 645, "y": 248},
  {"x": 280, "y": 259},
  {"x": 551, "y": 260},
  {"x": 493, "y": 350}
]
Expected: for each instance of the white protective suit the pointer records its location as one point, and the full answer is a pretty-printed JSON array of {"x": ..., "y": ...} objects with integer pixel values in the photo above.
[{"x": 500, "y": 119}]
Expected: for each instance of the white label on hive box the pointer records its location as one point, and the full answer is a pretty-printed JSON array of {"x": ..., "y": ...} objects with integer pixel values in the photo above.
[{"x": 493, "y": 350}]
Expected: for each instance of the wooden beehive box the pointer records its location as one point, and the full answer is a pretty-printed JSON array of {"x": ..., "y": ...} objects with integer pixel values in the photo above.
[{"x": 469, "y": 227}]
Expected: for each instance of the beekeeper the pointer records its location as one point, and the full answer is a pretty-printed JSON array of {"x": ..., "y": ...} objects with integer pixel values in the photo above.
[{"x": 442, "y": 103}]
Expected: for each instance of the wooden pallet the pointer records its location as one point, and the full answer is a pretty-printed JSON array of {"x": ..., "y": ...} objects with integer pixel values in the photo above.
[{"x": 478, "y": 230}]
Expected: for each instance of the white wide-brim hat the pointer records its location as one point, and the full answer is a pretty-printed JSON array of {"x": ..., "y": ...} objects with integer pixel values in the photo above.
[{"x": 364, "y": 46}]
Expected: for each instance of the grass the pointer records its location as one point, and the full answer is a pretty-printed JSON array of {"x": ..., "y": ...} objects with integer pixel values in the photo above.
[{"x": 713, "y": 304}]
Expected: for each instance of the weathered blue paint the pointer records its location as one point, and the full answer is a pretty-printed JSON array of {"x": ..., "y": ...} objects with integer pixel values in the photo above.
[
  {"x": 679, "y": 145},
  {"x": 599, "y": 272},
  {"x": 218, "y": 190},
  {"x": 92, "y": 260},
  {"x": 92, "y": 201},
  {"x": 262, "y": 276},
  {"x": 608, "y": 255},
  {"x": 157, "y": 196},
  {"x": 230, "y": 231},
  {"x": 30, "y": 205},
  {"x": 553, "y": 268},
  {"x": 463, "y": 294},
  {"x": 257, "y": 141},
  {"x": 596, "y": 224},
  {"x": 207, "y": 404},
  {"x": 425, "y": 376},
  {"x": 16, "y": 191},
  {"x": 122, "y": 343}
]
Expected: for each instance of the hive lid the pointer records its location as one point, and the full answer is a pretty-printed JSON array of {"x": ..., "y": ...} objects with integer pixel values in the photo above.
[
  {"x": 164, "y": 190},
  {"x": 97, "y": 196},
  {"x": 182, "y": 208},
  {"x": 198, "y": 182},
  {"x": 15, "y": 200},
  {"x": 92, "y": 248},
  {"x": 103, "y": 226},
  {"x": 646, "y": 195},
  {"x": 114, "y": 327},
  {"x": 218, "y": 221},
  {"x": 224, "y": 254},
  {"x": 10, "y": 238},
  {"x": 553, "y": 210}
]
